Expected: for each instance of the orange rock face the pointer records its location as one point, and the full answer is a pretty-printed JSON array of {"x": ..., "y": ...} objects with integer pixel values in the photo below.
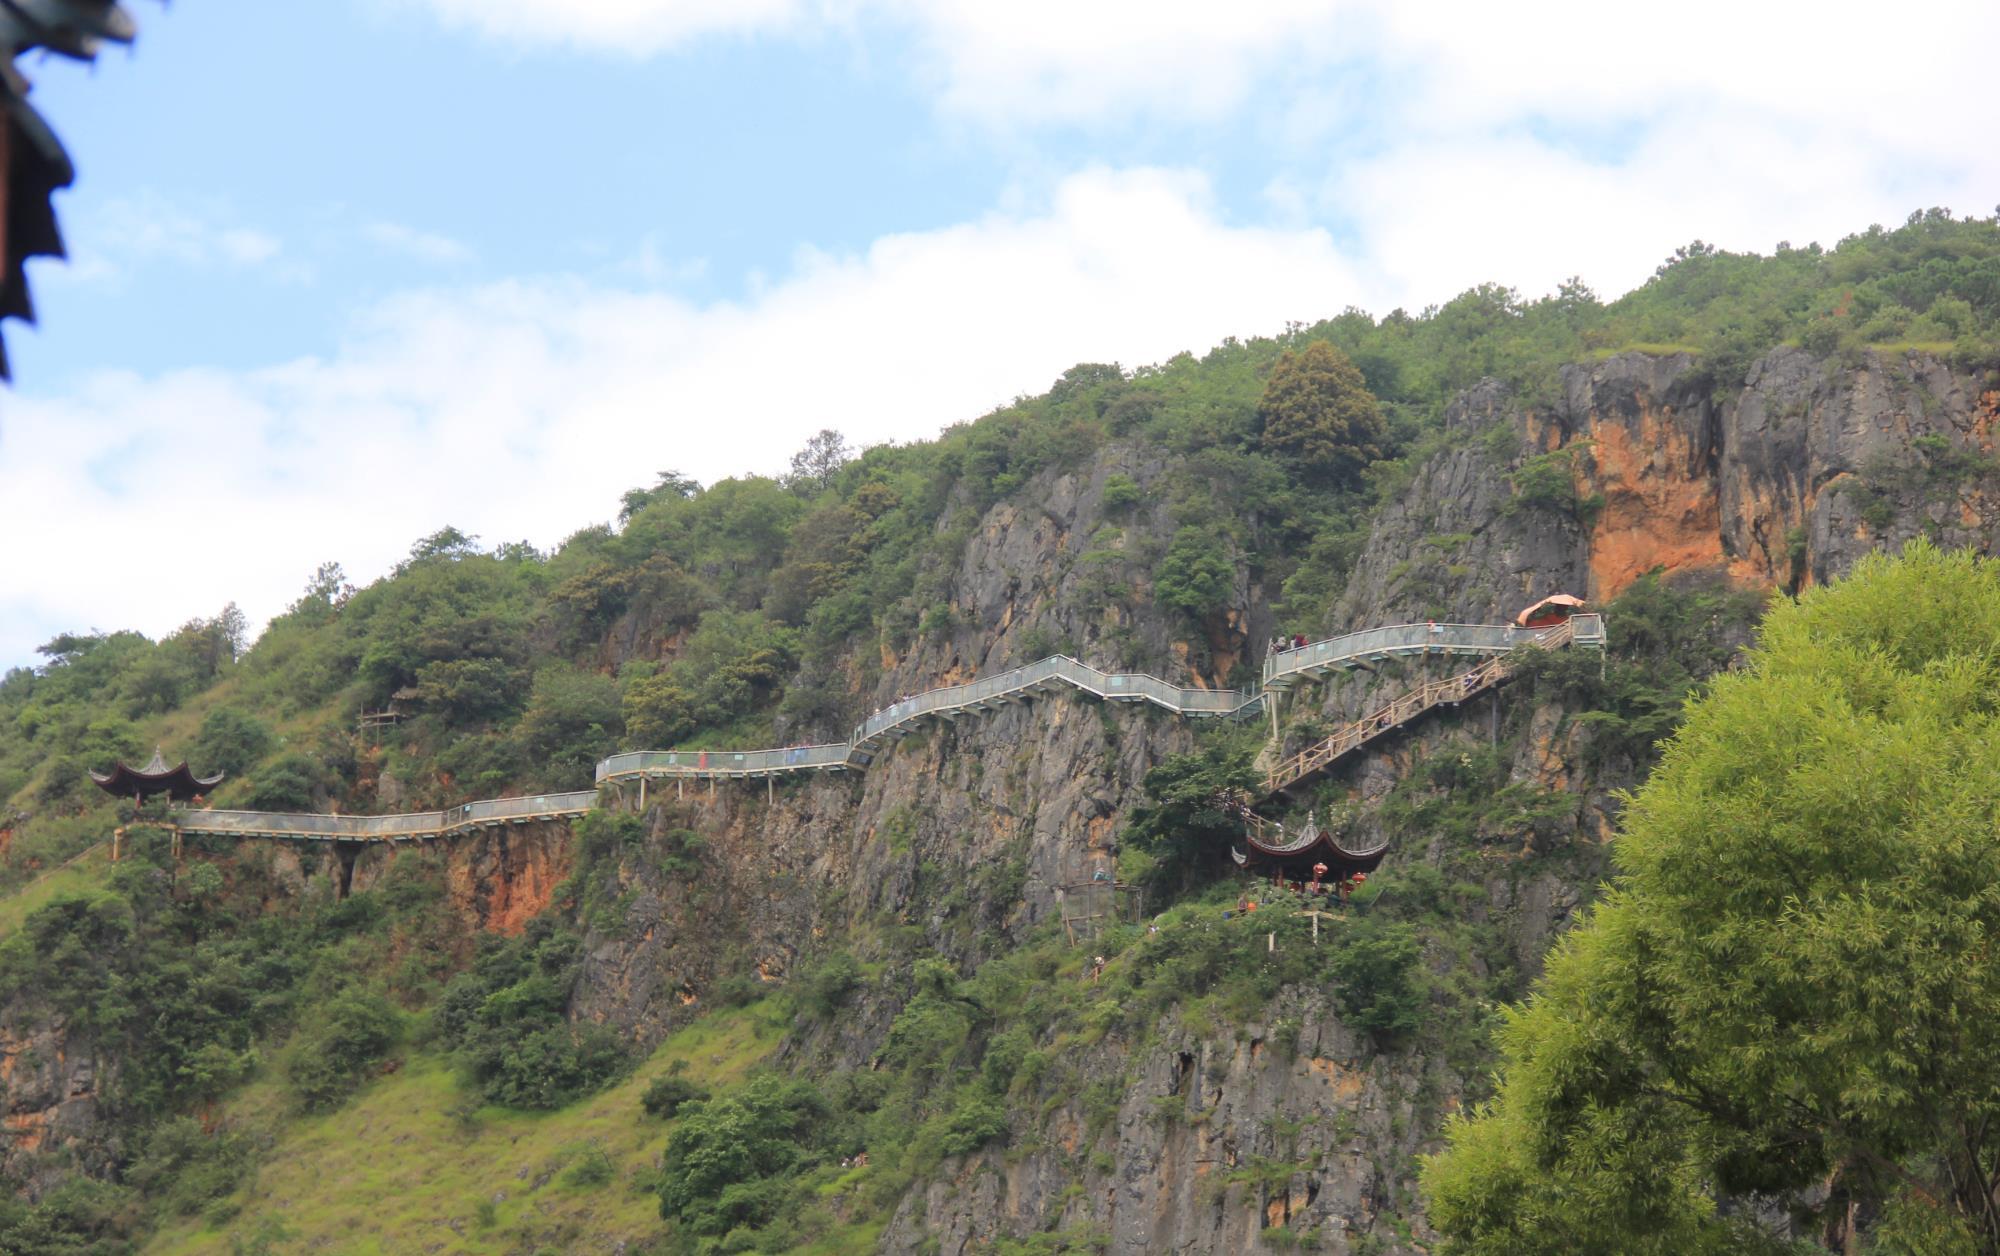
[
  {"x": 503, "y": 878},
  {"x": 1660, "y": 506},
  {"x": 25, "y": 1130}
]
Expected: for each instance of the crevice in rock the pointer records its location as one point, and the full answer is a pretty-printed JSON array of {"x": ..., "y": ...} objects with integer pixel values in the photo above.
[{"x": 346, "y": 853}]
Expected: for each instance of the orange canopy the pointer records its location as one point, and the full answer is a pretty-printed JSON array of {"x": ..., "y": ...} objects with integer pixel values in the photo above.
[{"x": 1554, "y": 606}]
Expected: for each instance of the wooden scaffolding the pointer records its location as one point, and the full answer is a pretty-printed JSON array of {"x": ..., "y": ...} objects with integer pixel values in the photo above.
[{"x": 1088, "y": 906}]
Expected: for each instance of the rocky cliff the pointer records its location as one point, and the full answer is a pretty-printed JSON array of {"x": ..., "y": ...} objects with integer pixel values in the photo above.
[
  {"x": 1288, "y": 1124},
  {"x": 965, "y": 833},
  {"x": 1785, "y": 481}
]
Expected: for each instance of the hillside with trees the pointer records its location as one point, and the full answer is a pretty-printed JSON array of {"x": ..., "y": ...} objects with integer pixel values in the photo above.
[{"x": 842, "y": 1013}]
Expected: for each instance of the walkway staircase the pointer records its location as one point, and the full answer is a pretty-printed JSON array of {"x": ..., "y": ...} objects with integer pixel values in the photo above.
[
  {"x": 1403, "y": 709},
  {"x": 949, "y": 704}
]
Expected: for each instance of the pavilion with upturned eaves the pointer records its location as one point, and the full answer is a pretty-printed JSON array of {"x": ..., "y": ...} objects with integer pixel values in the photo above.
[{"x": 178, "y": 783}]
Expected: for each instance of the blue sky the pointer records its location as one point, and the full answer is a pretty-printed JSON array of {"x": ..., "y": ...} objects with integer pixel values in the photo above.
[{"x": 345, "y": 272}]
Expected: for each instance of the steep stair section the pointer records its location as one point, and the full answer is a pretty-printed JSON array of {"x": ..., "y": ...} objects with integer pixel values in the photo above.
[{"x": 1406, "y": 707}]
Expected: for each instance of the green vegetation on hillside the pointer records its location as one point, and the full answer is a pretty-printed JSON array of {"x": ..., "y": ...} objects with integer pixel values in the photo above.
[
  {"x": 178, "y": 981},
  {"x": 764, "y": 611},
  {"x": 779, "y": 596},
  {"x": 1790, "y": 990},
  {"x": 411, "y": 1162}
]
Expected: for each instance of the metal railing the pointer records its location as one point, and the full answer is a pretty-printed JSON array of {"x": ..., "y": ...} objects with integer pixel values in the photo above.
[
  {"x": 1427, "y": 638},
  {"x": 413, "y": 824},
  {"x": 1408, "y": 706},
  {"x": 724, "y": 763},
  {"x": 948, "y": 700},
  {"x": 1049, "y": 673},
  {"x": 1128, "y": 686}
]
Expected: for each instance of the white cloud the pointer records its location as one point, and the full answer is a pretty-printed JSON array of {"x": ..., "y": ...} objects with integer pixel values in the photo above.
[
  {"x": 632, "y": 27},
  {"x": 522, "y": 409},
  {"x": 1462, "y": 63},
  {"x": 1458, "y": 140},
  {"x": 112, "y": 238},
  {"x": 1030, "y": 60},
  {"x": 1442, "y": 213},
  {"x": 1040, "y": 61},
  {"x": 423, "y": 246}
]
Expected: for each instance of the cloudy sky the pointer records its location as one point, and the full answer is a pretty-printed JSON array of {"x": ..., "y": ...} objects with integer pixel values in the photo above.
[{"x": 348, "y": 271}]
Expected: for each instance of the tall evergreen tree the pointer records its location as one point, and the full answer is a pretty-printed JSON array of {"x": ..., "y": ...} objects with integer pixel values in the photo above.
[{"x": 1317, "y": 410}]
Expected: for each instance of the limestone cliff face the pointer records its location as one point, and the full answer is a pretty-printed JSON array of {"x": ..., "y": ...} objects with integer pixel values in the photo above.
[
  {"x": 52, "y": 1081},
  {"x": 968, "y": 830},
  {"x": 965, "y": 833},
  {"x": 1053, "y": 568},
  {"x": 1784, "y": 482},
  {"x": 496, "y": 880},
  {"x": 1331, "y": 1122}
]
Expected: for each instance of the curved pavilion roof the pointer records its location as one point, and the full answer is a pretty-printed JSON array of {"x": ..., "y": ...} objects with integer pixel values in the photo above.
[{"x": 178, "y": 783}]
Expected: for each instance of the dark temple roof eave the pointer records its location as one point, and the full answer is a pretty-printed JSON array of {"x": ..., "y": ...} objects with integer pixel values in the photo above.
[{"x": 178, "y": 782}]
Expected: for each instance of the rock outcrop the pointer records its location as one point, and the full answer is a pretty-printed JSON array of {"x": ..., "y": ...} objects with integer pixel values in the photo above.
[
  {"x": 53, "y": 1081},
  {"x": 1785, "y": 482},
  {"x": 965, "y": 832}
]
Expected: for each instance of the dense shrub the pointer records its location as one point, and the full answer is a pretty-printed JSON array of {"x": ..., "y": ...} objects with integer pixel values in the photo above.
[
  {"x": 1121, "y": 493},
  {"x": 341, "y": 1045},
  {"x": 1196, "y": 576},
  {"x": 508, "y": 1020},
  {"x": 287, "y": 783},
  {"x": 1377, "y": 976},
  {"x": 668, "y": 1093},
  {"x": 728, "y": 1161},
  {"x": 185, "y": 1168},
  {"x": 1317, "y": 410},
  {"x": 573, "y": 720}
]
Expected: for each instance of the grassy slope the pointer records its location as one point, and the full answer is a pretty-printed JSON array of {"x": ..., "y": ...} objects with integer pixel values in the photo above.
[
  {"x": 399, "y": 1170},
  {"x": 174, "y": 732},
  {"x": 82, "y": 872}
]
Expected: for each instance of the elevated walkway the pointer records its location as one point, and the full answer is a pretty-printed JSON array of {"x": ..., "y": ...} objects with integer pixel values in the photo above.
[
  {"x": 1408, "y": 706},
  {"x": 949, "y": 703},
  {"x": 410, "y": 826},
  {"x": 1378, "y": 645}
]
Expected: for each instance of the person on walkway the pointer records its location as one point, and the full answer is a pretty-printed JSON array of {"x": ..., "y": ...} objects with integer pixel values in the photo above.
[{"x": 1298, "y": 641}]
